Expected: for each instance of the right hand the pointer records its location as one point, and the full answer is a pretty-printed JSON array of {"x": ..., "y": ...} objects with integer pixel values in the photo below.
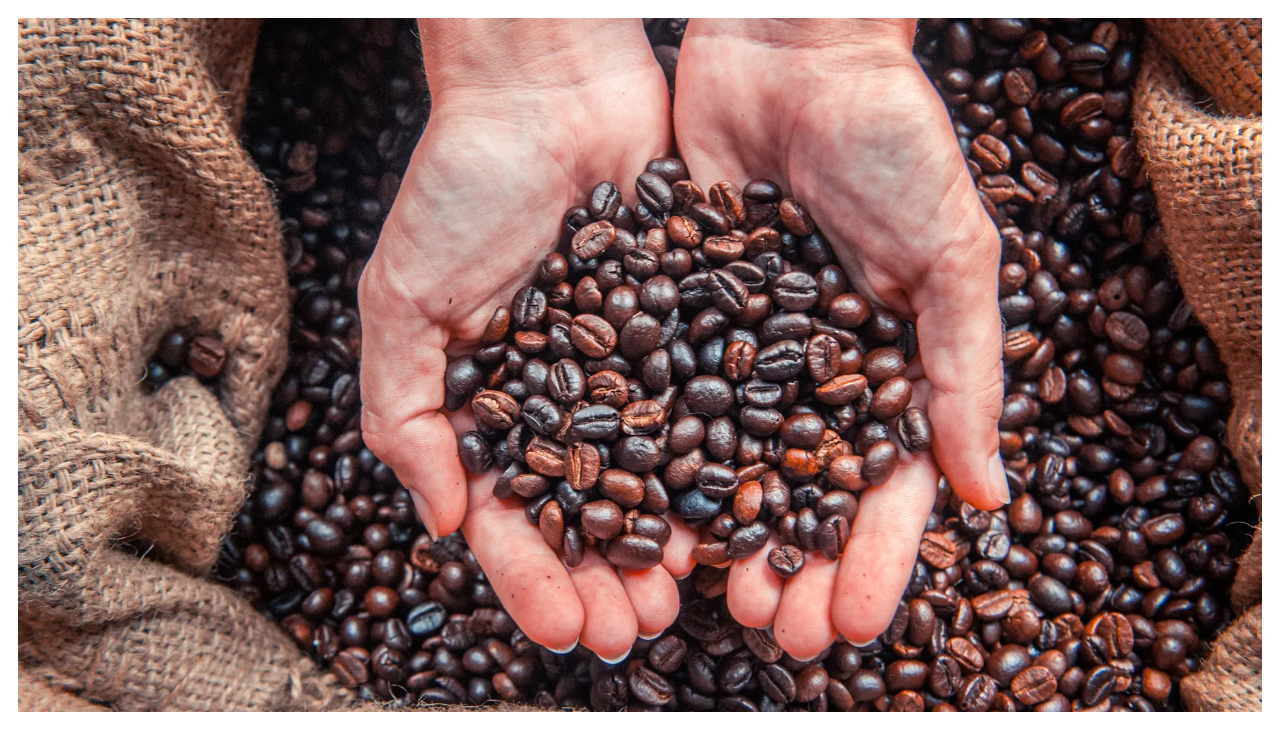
[
  {"x": 527, "y": 118},
  {"x": 840, "y": 114}
]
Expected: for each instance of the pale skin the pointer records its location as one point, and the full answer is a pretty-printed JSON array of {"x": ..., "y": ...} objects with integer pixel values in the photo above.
[{"x": 524, "y": 123}]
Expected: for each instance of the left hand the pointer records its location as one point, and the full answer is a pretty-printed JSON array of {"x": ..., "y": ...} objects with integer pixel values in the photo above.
[{"x": 841, "y": 115}]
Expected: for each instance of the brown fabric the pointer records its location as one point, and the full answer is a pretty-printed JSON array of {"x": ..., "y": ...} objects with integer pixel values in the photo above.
[
  {"x": 1247, "y": 588},
  {"x": 137, "y": 212},
  {"x": 1222, "y": 55},
  {"x": 49, "y": 691},
  {"x": 1231, "y": 678},
  {"x": 1204, "y": 158}
]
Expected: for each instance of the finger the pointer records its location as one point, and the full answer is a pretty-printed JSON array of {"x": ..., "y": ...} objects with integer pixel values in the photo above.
[
  {"x": 755, "y": 591},
  {"x": 609, "y": 627},
  {"x": 403, "y": 426},
  {"x": 877, "y": 562},
  {"x": 677, "y": 555},
  {"x": 961, "y": 344},
  {"x": 525, "y": 572},
  {"x": 654, "y": 598},
  {"x": 803, "y": 626}
]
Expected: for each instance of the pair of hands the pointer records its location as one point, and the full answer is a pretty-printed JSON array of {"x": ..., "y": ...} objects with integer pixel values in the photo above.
[{"x": 527, "y": 117}]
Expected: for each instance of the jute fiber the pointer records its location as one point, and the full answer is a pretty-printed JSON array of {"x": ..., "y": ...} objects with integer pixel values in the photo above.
[
  {"x": 1198, "y": 118},
  {"x": 137, "y": 212}
]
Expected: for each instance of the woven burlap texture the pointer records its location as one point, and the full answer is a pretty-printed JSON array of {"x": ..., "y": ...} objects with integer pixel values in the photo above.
[
  {"x": 1231, "y": 680},
  {"x": 1204, "y": 157},
  {"x": 137, "y": 212},
  {"x": 1222, "y": 55}
]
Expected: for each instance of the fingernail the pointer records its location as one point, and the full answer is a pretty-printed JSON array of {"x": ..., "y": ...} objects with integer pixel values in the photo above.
[
  {"x": 999, "y": 480},
  {"x": 805, "y": 659},
  {"x": 651, "y": 637},
  {"x": 571, "y": 647},
  {"x": 428, "y": 517},
  {"x": 625, "y": 654},
  {"x": 864, "y": 644}
]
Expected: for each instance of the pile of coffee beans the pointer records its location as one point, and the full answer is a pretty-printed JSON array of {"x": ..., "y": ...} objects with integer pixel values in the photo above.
[
  {"x": 186, "y": 351},
  {"x": 1097, "y": 588},
  {"x": 701, "y": 354}
]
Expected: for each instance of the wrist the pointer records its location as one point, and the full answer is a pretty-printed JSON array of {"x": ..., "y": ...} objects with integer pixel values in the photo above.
[
  {"x": 533, "y": 57},
  {"x": 868, "y": 40}
]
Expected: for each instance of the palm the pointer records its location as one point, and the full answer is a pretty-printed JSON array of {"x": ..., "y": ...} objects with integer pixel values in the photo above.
[
  {"x": 868, "y": 149},
  {"x": 478, "y": 209}
]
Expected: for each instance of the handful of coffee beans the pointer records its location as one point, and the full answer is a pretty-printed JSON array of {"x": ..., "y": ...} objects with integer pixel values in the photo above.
[{"x": 701, "y": 354}]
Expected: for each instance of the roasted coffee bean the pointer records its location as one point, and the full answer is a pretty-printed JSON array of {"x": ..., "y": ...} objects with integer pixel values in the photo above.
[
  {"x": 601, "y": 519},
  {"x": 879, "y": 463},
  {"x": 786, "y": 560},
  {"x": 642, "y": 417},
  {"x": 914, "y": 430},
  {"x": 747, "y": 540},
  {"x": 206, "y": 356},
  {"x": 841, "y": 389},
  {"x": 708, "y": 395},
  {"x": 891, "y": 398},
  {"x": 594, "y": 336},
  {"x": 495, "y": 409},
  {"x": 832, "y": 535},
  {"x": 1034, "y": 685},
  {"x": 474, "y": 452},
  {"x": 595, "y": 238},
  {"x": 780, "y": 361},
  {"x": 598, "y": 422},
  {"x": 634, "y": 552},
  {"x": 542, "y": 415}
]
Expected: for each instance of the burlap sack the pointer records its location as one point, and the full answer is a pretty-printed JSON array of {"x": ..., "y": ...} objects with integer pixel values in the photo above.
[
  {"x": 138, "y": 211},
  {"x": 1204, "y": 156}
]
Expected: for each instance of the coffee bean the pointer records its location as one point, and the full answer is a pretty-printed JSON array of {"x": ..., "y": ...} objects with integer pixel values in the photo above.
[
  {"x": 598, "y": 422},
  {"x": 708, "y": 395},
  {"x": 747, "y": 540},
  {"x": 634, "y": 552},
  {"x": 822, "y": 356},
  {"x": 879, "y": 463},
  {"x": 546, "y": 457},
  {"x": 495, "y": 409},
  {"x": 622, "y": 487},
  {"x": 1127, "y": 331},
  {"x": 938, "y": 550},
  {"x": 642, "y": 417},
  {"x": 914, "y": 430},
  {"x": 206, "y": 356},
  {"x": 602, "y": 519},
  {"x": 593, "y": 335},
  {"x": 474, "y": 452},
  {"x": 794, "y": 217},
  {"x": 891, "y": 398},
  {"x": 1034, "y": 685},
  {"x": 832, "y": 536},
  {"x": 841, "y": 389},
  {"x": 786, "y": 560}
]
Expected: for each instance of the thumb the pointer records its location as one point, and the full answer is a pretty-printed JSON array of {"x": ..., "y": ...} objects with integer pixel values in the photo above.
[
  {"x": 402, "y": 386},
  {"x": 960, "y": 337}
]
